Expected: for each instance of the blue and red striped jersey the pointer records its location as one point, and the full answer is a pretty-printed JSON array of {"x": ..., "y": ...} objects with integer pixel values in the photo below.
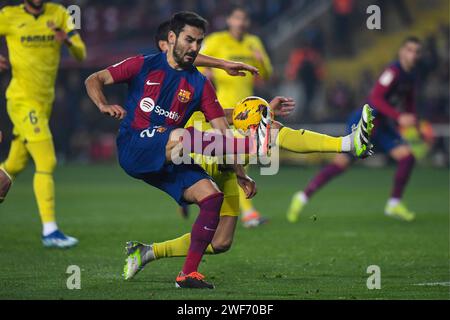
[
  {"x": 159, "y": 95},
  {"x": 394, "y": 92}
]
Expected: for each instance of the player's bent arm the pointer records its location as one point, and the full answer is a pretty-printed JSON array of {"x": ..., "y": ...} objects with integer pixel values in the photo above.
[
  {"x": 94, "y": 87},
  {"x": 70, "y": 38},
  {"x": 77, "y": 48},
  {"x": 233, "y": 68},
  {"x": 207, "y": 61}
]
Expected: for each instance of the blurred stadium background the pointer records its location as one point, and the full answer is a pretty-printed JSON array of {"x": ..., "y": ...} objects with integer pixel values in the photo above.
[{"x": 323, "y": 56}]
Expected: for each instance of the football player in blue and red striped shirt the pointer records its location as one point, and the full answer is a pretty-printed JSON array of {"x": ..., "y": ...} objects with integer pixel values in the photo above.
[
  {"x": 163, "y": 91},
  {"x": 393, "y": 98}
]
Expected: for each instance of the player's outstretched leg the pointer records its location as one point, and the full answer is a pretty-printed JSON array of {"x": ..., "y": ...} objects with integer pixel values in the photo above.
[
  {"x": 305, "y": 141},
  {"x": 140, "y": 254},
  {"x": 357, "y": 143},
  {"x": 258, "y": 142}
]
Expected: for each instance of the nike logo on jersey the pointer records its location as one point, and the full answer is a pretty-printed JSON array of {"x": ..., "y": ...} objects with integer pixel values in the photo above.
[
  {"x": 149, "y": 83},
  {"x": 208, "y": 229}
]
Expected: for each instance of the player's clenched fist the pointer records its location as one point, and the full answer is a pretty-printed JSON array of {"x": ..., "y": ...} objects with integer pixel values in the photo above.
[{"x": 113, "y": 110}]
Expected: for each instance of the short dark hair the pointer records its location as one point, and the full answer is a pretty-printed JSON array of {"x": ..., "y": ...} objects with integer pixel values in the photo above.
[
  {"x": 181, "y": 19},
  {"x": 412, "y": 39},
  {"x": 162, "y": 33},
  {"x": 235, "y": 8}
]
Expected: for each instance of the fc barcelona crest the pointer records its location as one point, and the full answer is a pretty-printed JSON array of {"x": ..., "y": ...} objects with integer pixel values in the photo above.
[{"x": 184, "y": 96}]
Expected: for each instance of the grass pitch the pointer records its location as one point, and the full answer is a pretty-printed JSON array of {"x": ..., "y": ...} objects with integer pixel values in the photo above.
[{"x": 324, "y": 256}]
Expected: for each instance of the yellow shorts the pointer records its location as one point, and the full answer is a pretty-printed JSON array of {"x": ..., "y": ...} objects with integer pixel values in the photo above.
[
  {"x": 227, "y": 182},
  {"x": 30, "y": 119}
]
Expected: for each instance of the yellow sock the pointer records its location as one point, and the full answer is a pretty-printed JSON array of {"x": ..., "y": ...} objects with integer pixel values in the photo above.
[
  {"x": 304, "y": 141},
  {"x": 44, "y": 158},
  {"x": 44, "y": 190},
  {"x": 176, "y": 248}
]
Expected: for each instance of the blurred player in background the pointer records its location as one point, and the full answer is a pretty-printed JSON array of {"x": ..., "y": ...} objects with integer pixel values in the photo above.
[
  {"x": 35, "y": 32},
  {"x": 236, "y": 44},
  {"x": 393, "y": 98}
]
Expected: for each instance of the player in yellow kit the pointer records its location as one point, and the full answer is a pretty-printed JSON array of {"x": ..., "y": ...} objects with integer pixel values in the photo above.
[
  {"x": 237, "y": 44},
  {"x": 35, "y": 32}
]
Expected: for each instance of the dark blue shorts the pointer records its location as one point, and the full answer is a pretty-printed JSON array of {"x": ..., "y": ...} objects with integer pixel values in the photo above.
[
  {"x": 142, "y": 154},
  {"x": 385, "y": 136}
]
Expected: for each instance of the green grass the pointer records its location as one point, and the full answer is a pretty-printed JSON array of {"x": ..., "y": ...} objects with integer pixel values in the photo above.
[{"x": 323, "y": 258}]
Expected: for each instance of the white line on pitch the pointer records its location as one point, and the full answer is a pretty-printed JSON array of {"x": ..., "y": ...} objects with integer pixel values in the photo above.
[{"x": 447, "y": 284}]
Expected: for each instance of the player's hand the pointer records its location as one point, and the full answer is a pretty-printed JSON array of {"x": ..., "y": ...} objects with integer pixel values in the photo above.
[
  {"x": 407, "y": 120},
  {"x": 248, "y": 185},
  {"x": 282, "y": 106},
  {"x": 113, "y": 110},
  {"x": 234, "y": 68},
  {"x": 3, "y": 63},
  {"x": 60, "y": 35}
]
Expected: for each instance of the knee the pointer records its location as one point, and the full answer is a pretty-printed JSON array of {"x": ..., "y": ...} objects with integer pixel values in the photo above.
[
  {"x": 213, "y": 199},
  {"x": 221, "y": 246},
  {"x": 408, "y": 158},
  {"x": 342, "y": 161},
  {"x": 46, "y": 163}
]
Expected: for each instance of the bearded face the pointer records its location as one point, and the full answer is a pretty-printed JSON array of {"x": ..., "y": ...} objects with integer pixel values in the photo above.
[
  {"x": 35, "y": 4},
  {"x": 187, "y": 46}
]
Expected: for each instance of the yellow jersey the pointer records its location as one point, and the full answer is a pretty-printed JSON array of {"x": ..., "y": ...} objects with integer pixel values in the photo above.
[
  {"x": 222, "y": 45},
  {"x": 34, "y": 53},
  {"x": 230, "y": 89}
]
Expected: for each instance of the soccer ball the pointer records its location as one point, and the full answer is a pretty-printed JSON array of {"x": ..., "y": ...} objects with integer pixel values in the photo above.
[{"x": 247, "y": 112}]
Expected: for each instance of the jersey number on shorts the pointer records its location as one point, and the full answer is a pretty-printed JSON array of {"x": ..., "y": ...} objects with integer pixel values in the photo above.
[{"x": 33, "y": 118}]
